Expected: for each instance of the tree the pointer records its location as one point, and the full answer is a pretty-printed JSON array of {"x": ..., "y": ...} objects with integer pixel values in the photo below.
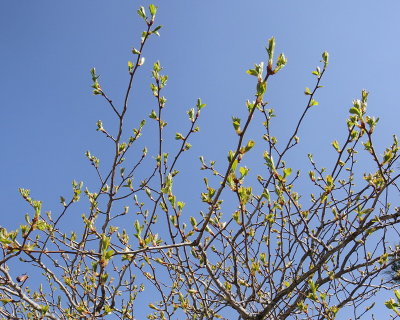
[{"x": 260, "y": 248}]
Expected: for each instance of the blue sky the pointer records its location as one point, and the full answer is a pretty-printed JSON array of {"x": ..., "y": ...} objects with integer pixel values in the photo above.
[{"x": 48, "y": 113}]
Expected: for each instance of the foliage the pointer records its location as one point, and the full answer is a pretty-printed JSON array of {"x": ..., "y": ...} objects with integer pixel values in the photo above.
[{"x": 279, "y": 254}]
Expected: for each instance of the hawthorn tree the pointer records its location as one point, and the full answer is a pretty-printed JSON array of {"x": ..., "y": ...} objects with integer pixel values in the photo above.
[{"x": 280, "y": 253}]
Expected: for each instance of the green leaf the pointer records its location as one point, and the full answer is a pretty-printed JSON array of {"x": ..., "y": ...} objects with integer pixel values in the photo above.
[
  {"x": 280, "y": 63},
  {"x": 250, "y": 144},
  {"x": 138, "y": 228},
  {"x": 180, "y": 205},
  {"x": 270, "y": 50},
  {"x": 335, "y": 145},
  {"x": 245, "y": 194},
  {"x": 266, "y": 194},
  {"x": 142, "y": 13},
  {"x": 397, "y": 294},
  {"x": 356, "y": 111},
  {"x": 130, "y": 66},
  {"x": 193, "y": 222},
  {"x": 313, "y": 103},
  {"x": 153, "y": 115},
  {"x": 261, "y": 88},
  {"x": 135, "y": 51},
  {"x": 105, "y": 242},
  {"x": 313, "y": 287},
  {"x": 236, "y": 124},
  {"x": 94, "y": 75},
  {"x": 269, "y": 160},
  {"x": 325, "y": 58},
  {"x": 191, "y": 114},
  {"x": 156, "y": 29},
  {"x": 252, "y": 72},
  {"x": 287, "y": 172},
  {"x": 387, "y": 156},
  {"x": 109, "y": 254},
  {"x": 44, "y": 309},
  {"x": 121, "y": 147},
  {"x": 249, "y": 105},
  {"x": 167, "y": 189},
  {"x": 42, "y": 225},
  {"x": 307, "y": 92},
  {"x": 153, "y": 10},
  {"x": 236, "y": 217},
  {"x": 390, "y": 304},
  {"x": 231, "y": 155},
  {"x": 317, "y": 72},
  {"x": 199, "y": 104},
  {"x": 329, "y": 180},
  {"x": 243, "y": 171}
]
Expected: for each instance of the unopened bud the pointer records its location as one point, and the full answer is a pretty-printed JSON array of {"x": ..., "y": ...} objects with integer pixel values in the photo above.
[{"x": 22, "y": 278}]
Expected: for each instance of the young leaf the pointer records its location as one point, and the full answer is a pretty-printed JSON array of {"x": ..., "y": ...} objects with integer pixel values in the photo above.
[
  {"x": 153, "y": 10},
  {"x": 142, "y": 13},
  {"x": 325, "y": 58},
  {"x": 252, "y": 72}
]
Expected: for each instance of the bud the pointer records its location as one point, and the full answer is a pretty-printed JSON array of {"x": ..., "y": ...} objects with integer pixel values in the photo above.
[
  {"x": 364, "y": 95},
  {"x": 270, "y": 50},
  {"x": 325, "y": 58},
  {"x": 22, "y": 278}
]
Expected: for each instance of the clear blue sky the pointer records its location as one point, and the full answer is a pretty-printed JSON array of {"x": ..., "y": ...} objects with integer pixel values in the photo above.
[{"x": 48, "y": 113}]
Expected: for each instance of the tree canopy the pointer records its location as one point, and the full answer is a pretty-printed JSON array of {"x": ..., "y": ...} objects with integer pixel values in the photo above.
[{"x": 267, "y": 242}]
